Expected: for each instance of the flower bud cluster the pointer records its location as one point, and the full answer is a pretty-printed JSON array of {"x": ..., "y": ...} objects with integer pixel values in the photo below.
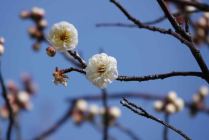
[
  {"x": 200, "y": 95},
  {"x": 18, "y": 99},
  {"x": 198, "y": 100},
  {"x": 113, "y": 113},
  {"x": 201, "y": 28},
  {"x": 172, "y": 104},
  {"x": 37, "y": 15},
  {"x": 83, "y": 112}
]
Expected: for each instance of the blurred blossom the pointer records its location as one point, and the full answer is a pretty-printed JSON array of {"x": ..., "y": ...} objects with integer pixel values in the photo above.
[
  {"x": 93, "y": 109},
  {"x": 25, "y": 14},
  {"x": 179, "y": 104},
  {"x": 206, "y": 14},
  {"x": 203, "y": 91},
  {"x": 196, "y": 98},
  {"x": 23, "y": 97},
  {"x": 172, "y": 95},
  {"x": 158, "y": 105},
  {"x": 32, "y": 31},
  {"x": 81, "y": 105},
  {"x": 37, "y": 12},
  {"x": 42, "y": 23},
  {"x": 170, "y": 108},
  {"x": 114, "y": 112}
]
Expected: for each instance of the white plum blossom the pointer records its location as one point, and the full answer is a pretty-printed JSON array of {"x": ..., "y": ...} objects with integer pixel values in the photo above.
[
  {"x": 101, "y": 70},
  {"x": 63, "y": 36}
]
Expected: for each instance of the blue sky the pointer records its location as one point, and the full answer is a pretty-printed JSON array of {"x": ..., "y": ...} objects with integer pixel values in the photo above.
[{"x": 138, "y": 52}]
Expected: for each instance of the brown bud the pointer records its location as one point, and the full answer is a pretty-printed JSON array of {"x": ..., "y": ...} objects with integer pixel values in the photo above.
[
  {"x": 50, "y": 51},
  {"x": 36, "y": 46}
]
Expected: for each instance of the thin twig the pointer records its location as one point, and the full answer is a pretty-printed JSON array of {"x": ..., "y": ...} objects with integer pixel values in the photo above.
[
  {"x": 76, "y": 56},
  {"x": 57, "y": 125},
  {"x": 11, "y": 119},
  {"x": 152, "y": 28},
  {"x": 144, "y": 113},
  {"x": 106, "y": 115},
  {"x": 127, "y": 131},
  {"x": 147, "y": 23}
]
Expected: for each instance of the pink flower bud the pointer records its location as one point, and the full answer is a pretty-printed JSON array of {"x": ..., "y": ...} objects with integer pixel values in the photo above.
[
  {"x": 25, "y": 14},
  {"x": 2, "y": 40},
  {"x": 50, "y": 51}
]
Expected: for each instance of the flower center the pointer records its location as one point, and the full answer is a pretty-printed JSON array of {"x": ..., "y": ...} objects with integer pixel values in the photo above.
[
  {"x": 64, "y": 37},
  {"x": 101, "y": 69}
]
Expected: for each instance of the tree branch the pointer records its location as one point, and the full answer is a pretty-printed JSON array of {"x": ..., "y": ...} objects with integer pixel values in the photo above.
[
  {"x": 196, "y": 53},
  {"x": 144, "y": 113},
  {"x": 159, "y": 76},
  {"x": 11, "y": 119}
]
